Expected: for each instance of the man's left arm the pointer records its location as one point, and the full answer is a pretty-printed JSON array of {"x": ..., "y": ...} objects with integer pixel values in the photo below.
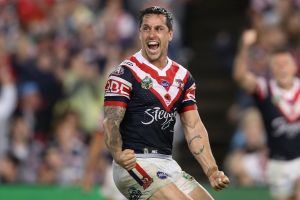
[{"x": 198, "y": 142}]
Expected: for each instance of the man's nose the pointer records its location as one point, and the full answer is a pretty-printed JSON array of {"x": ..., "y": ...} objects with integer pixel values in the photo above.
[{"x": 152, "y": 33}]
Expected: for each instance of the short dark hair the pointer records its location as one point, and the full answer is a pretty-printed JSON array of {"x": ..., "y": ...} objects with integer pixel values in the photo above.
[
  {"x": 280, "y": 50},
  {"x": 157, "y": 10}
]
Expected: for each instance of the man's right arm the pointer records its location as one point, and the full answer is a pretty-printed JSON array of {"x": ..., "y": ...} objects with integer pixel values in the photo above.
[
  {"x": 113, "y": 116},
  {"x": 241, "y": 74}
]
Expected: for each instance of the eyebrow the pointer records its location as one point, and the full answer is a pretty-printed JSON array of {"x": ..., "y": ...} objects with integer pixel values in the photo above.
[{"x": 155, "y": 26}]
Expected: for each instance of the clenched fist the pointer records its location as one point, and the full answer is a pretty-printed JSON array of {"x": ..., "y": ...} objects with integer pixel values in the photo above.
[
  {"x": 218, "y": 180},
  {"x": 126, "y": 159}
]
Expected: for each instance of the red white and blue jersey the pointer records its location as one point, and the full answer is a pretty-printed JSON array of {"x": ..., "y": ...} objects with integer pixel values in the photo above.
[
  {"x": 152, "y": 98},
  {"x": 281, "y": 114}
]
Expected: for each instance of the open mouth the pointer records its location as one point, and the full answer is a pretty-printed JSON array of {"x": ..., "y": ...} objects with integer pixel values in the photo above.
[{"x": 153, "y": 45}]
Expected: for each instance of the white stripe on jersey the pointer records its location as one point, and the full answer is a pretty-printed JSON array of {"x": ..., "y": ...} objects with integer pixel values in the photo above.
[
  {"x": 173, "y": 90},
  {"x": 284, "y": 99}
]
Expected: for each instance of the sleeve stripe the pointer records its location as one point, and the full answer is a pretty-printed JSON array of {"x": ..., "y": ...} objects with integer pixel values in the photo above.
[
  {"x": 185, "y": 100},
  {"x": 116, "y": 95},
  {"x": 115, "y": 103},
  {"x": 188, "y": 108}
]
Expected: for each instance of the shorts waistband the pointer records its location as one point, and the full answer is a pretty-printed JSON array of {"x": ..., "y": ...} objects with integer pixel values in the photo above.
[
  {"x": 154, "y": 155},
  {"x": 149, "y": 150}
]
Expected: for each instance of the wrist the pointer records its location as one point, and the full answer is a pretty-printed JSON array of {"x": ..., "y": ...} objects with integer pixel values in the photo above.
[
  {"x": 116, "y": 155},
  {"x": 211, "y": 170}
]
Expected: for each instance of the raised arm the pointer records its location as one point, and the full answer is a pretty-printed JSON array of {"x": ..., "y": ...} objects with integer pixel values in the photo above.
[
  {"x": 198, "y": 142},
  {"x": 113, "y": 116},
  {"x": 241, "y": 74}
]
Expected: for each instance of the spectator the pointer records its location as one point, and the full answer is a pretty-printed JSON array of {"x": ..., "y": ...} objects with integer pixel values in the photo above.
[{"x": 8, "y": 100}]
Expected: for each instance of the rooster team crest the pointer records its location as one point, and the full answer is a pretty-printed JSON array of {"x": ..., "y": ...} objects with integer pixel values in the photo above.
[
  {"x": 179, "y": 84},
  {"x": 147, "y": 83}
]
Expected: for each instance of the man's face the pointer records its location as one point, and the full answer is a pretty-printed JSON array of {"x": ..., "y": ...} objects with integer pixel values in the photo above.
[
  {"x": 155, "y": 37},
  {"x": 283, "y": 68}
]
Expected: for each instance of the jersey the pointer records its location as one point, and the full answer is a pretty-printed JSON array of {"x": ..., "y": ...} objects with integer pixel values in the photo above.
[
  {"x": 281, "y": 114},
  {"x": 152, "y": 98}
]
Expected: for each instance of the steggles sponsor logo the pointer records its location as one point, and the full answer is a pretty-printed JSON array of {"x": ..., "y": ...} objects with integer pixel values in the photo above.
[
  {"x": 157, "y": 114},
  {"x": 281, "y": 127}
]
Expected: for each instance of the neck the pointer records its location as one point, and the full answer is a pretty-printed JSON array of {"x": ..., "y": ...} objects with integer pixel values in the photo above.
[
  {"x": 286, "y": 86},
  {"x": 159, "y": 63}
]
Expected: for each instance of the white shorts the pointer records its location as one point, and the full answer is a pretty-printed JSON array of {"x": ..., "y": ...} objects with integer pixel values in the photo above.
[
  {"x": 281, "y": 176},
  {"x": 157, "y": 172}
]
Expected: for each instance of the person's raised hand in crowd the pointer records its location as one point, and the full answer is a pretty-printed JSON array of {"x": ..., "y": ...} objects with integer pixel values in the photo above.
[{"x": 249, "y": 37}]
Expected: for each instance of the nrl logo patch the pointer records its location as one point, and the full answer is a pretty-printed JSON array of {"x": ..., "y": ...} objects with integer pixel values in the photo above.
[{"x": 147, "y": 83}]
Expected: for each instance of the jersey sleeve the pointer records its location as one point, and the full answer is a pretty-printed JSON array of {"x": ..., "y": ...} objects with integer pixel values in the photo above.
[
  {"x": 261, "y": 90},
  {"x": 118, "y": 87},
  {"x": 189, "y": 99}
]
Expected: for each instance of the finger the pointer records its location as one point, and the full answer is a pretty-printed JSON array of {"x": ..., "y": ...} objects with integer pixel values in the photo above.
[
  {"x": 128, "y": 151},
  {"x": 217, "y": 187},
  {"x": 218, "y": 184},
  {"x": 222, "y": 185},
  {"x": 129, "y": 167},
  {"x": 225, "y": 180},
  {"x": 130, "y": 161}
]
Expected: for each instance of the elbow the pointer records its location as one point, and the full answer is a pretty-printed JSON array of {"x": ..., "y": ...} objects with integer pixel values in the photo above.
[{"x": 238, "y": 77}]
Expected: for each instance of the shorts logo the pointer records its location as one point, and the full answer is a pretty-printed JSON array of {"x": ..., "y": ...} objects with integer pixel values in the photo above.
[
  {"x": 187, "y": 176},
  {"x": 147, "y": 83},
  {"x": 118, "y": 71},
  {"x": 134, "y": 194},
  {"x": 162, "y": 175}
]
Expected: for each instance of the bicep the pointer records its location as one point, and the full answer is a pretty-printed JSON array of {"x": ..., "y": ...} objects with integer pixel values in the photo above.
[
  {"x": 114, "y": 114},
  {"x": 190, "y": 121}
]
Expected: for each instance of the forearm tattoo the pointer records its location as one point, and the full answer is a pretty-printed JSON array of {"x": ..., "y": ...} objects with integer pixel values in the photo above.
[
  {"x": 196, "y": 153},
  {"x": 114, "y": 115},
  {"x": 193, "y": 138}
]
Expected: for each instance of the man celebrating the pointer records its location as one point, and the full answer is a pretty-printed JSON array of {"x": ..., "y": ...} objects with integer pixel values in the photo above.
[
  {"x": 279, "y": 102},
  {"x": 142, "y": 97}
]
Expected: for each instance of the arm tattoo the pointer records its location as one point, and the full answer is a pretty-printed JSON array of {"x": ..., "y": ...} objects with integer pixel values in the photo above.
[
  {"x": 195, "y": 137},
  {"x": 200, "y": 151},
  {"x": 115, "y": 115}
]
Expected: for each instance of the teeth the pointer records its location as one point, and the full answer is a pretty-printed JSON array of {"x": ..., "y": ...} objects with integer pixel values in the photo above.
[{"x": 152, "y": 43}]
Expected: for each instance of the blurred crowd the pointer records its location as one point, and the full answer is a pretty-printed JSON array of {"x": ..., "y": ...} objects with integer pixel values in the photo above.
[
  {"x": 276, "y": 24},
  {"x": 54, "y": 59},
  {"x": 55, "y": 56}
]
